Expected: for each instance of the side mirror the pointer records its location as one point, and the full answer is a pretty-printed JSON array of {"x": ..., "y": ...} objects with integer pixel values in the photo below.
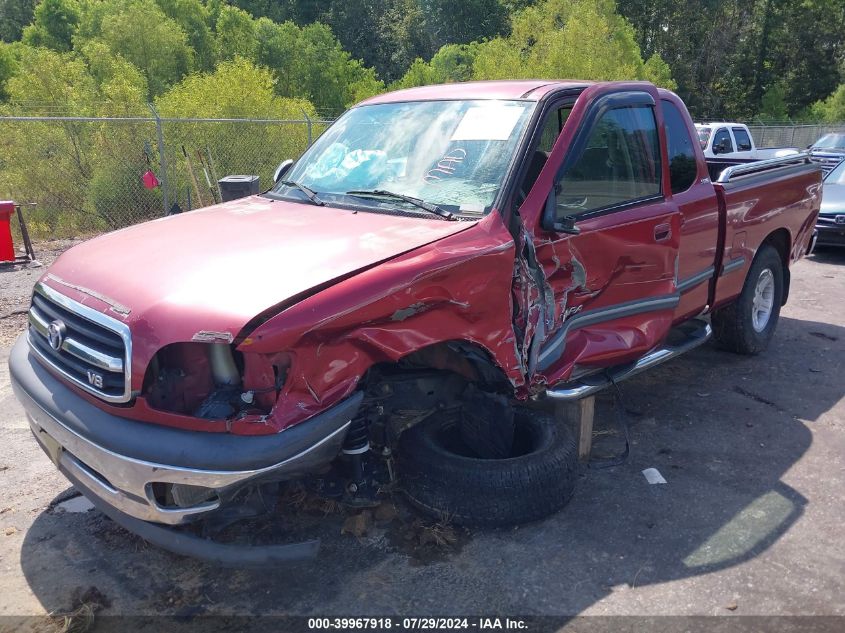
[
  {"x": 281, "y": 170},
  {"x": 550, "y": 222}
]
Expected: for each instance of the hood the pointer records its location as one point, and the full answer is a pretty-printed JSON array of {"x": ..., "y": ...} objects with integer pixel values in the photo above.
[
  {"x": 833, "y": 199},
  {"x": 215, "y": 269}
]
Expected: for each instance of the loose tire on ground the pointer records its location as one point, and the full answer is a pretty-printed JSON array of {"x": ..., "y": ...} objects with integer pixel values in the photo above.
[
  {"x": 442, "y": 477},
  {"x": 737, "y": 327}
]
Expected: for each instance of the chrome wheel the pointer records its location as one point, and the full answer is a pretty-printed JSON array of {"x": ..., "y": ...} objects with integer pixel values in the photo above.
[{"x": 764, "y": 300}]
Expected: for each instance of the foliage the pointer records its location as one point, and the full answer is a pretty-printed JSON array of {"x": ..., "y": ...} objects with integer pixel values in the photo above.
[
  {"x": 583, "y": 39},
  {"x": 773, "y": 104},
  {"x": 141, "y": 33},
  {"x": 832, "y": 109},
  {"x": 193, "y": 17},
  {"x": 8, "y": 69},
  {"x": 727, "y": 55},
  {"x": 235, "y": 33},
  {"x": 55, "y": 162},
  {"x": 14, "y": 15},
  {"x": 452, "y": 63},
  {"x": 236, "y": 89},
  {"x": 53, "y": 25}
]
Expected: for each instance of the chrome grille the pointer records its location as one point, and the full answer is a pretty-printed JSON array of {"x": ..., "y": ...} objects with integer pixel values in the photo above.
[
  {"x": 826, "y": 161},
  {"x": 88, "y": 348}
]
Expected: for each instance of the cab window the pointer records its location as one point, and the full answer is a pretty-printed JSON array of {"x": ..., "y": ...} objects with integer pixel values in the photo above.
[
  {"x": 743, "y": 141},
  {"x": 619, "y": 164},
  {"x": 682, "y": 166},
  {"x": 722, "y": 143}
]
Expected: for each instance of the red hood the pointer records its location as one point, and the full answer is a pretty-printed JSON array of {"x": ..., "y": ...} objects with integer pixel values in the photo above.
[{"x": 215, "y": 269}]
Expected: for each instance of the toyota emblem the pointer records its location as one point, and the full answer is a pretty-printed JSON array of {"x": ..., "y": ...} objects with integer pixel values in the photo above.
[{"x": 56, "y": 334}]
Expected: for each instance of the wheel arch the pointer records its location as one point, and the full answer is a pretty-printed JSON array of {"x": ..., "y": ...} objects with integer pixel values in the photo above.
[{"x": 781, "y": 240}]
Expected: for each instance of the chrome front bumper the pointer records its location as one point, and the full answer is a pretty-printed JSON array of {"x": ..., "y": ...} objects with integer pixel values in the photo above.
[
  {"x": 114, "y": 457},
  {"x": 127, "y": 484}
]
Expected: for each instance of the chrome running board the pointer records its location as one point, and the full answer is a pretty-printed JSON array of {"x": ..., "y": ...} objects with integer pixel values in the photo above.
[{"x": 692, "y": 333}]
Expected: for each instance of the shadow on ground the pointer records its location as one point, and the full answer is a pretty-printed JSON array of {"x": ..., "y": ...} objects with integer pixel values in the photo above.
[{"x": 722, "y": 429}]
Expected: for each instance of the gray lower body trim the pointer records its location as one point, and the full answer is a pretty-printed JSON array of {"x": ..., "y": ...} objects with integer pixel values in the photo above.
[
  {"x": 732, "y": 265},
  {"x": 691, "y": 282},
  {"x": 554, "y": 348}
]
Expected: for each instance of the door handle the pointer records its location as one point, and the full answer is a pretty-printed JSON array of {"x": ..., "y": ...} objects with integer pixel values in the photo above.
[{"x": 662, "y": 232}]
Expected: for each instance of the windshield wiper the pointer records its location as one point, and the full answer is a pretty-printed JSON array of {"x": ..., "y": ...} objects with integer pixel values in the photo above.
[
  {"x": 417, "y": 202},
  {"x": 312, "y": 196}
]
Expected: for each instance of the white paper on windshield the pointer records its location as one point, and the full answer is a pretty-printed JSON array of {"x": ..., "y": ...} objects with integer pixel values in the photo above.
[{"x": 487, "y": 123}]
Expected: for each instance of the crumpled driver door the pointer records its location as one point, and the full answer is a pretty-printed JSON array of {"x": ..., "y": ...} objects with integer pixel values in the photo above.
[{"x": 597, "y": 265}]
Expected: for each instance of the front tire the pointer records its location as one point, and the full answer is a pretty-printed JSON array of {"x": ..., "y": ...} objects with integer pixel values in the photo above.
[{"x": 747, "y": 325}]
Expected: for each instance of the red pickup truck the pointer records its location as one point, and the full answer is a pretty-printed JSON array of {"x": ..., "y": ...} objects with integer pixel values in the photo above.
[{"x": 438, "y": 257}]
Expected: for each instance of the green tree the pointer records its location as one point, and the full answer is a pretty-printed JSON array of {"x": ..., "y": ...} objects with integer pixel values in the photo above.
[
  {"x": 54, "y": 25},
  {"x": 8, "y": 69},
  {"x": 235, "y": 34},
  {"x": 193, "y": 17},
  {"x": 14, "y": 16},
  {"x": 277, "y": 48},
  {"x": 452, "y": 63},
  {"x": 329, "y": 77},
  {"x": 584, "y": 39},
  {"x": 236, "y": 89},
  {"x": 143, "y": 35},
  {"x": 450, "y": 22},
  {"x": 57, "y": 164},
  {"x": 832, "y": 109}
]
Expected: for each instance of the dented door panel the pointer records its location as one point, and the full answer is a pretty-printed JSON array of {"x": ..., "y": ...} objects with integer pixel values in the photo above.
[
  {"x": 614, "y": 289},
  {"x": 606, "y": 295}
]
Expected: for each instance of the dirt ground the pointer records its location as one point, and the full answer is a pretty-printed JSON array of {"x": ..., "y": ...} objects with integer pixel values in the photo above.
[
  {"x": 751, "y": 520},
  {"x": 16, "y": 287}
]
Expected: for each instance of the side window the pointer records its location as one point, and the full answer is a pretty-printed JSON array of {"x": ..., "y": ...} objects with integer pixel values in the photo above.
[
  {"x": 682, "y": 166},
  {"x": 620, "y": 163},
  {"x": 743, "y": 141},
  {"x": 722, "y": 143},
  {"x": 552, "y": 127}
]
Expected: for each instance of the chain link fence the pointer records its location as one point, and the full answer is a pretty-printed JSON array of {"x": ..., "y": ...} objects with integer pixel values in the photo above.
[
  {"x": 80, "y": 176},
  {"x": 790, "y": 135},
  {"x": 84, "y": 175}
]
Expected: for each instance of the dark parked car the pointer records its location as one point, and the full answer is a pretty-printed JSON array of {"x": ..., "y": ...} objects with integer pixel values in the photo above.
[
  {"x": 829, "y": 150},
  {"x": 831, "y": 222}
]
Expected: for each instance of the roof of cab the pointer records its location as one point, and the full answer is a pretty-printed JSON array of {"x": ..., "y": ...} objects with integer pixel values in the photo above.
[{"x": 529, "y": 89}]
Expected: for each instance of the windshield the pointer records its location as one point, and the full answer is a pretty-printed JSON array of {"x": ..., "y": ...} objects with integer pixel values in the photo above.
[
  {"x": 703, "y": 136},
  {"x": 837, "y": 175},
  {"x": 453, "y": 154},
  {"x": 830, "y": 141}
]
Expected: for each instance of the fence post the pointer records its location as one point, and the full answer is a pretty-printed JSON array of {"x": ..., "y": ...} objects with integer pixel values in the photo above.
[
  {"x": 308, "y": 123},
  {"x": 165, "y": 193}
]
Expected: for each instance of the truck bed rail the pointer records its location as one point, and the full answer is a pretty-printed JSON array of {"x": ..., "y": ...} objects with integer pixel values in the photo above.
[{"x": 759, "y": 166}]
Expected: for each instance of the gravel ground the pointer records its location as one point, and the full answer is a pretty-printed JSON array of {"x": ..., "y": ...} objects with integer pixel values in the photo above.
[
  {"x": 16, "y": 286},
  {"x": 751, "y": 521}
]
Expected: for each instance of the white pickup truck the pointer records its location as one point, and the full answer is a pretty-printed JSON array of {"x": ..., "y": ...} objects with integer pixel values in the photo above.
[{"x": 734, "y": 141}]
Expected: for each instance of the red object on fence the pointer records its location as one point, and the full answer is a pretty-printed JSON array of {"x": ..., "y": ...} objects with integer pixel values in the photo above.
[
  {"x": 7, "y": 249},
  {"x": 150, "y": 180}
]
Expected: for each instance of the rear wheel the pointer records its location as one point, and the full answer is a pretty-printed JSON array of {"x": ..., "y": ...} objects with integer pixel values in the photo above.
[
  {"x": 747, "y": 325},
  {"x": 442, "y": 476}
]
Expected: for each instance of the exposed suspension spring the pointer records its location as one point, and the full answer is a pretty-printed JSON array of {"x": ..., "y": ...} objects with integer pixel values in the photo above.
[
  {"x": 357, "y": 443},
  {"x": 357, "y": 438}
]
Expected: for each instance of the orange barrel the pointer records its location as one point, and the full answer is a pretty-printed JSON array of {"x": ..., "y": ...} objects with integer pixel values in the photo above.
[{"x": 7, "y": 249}]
